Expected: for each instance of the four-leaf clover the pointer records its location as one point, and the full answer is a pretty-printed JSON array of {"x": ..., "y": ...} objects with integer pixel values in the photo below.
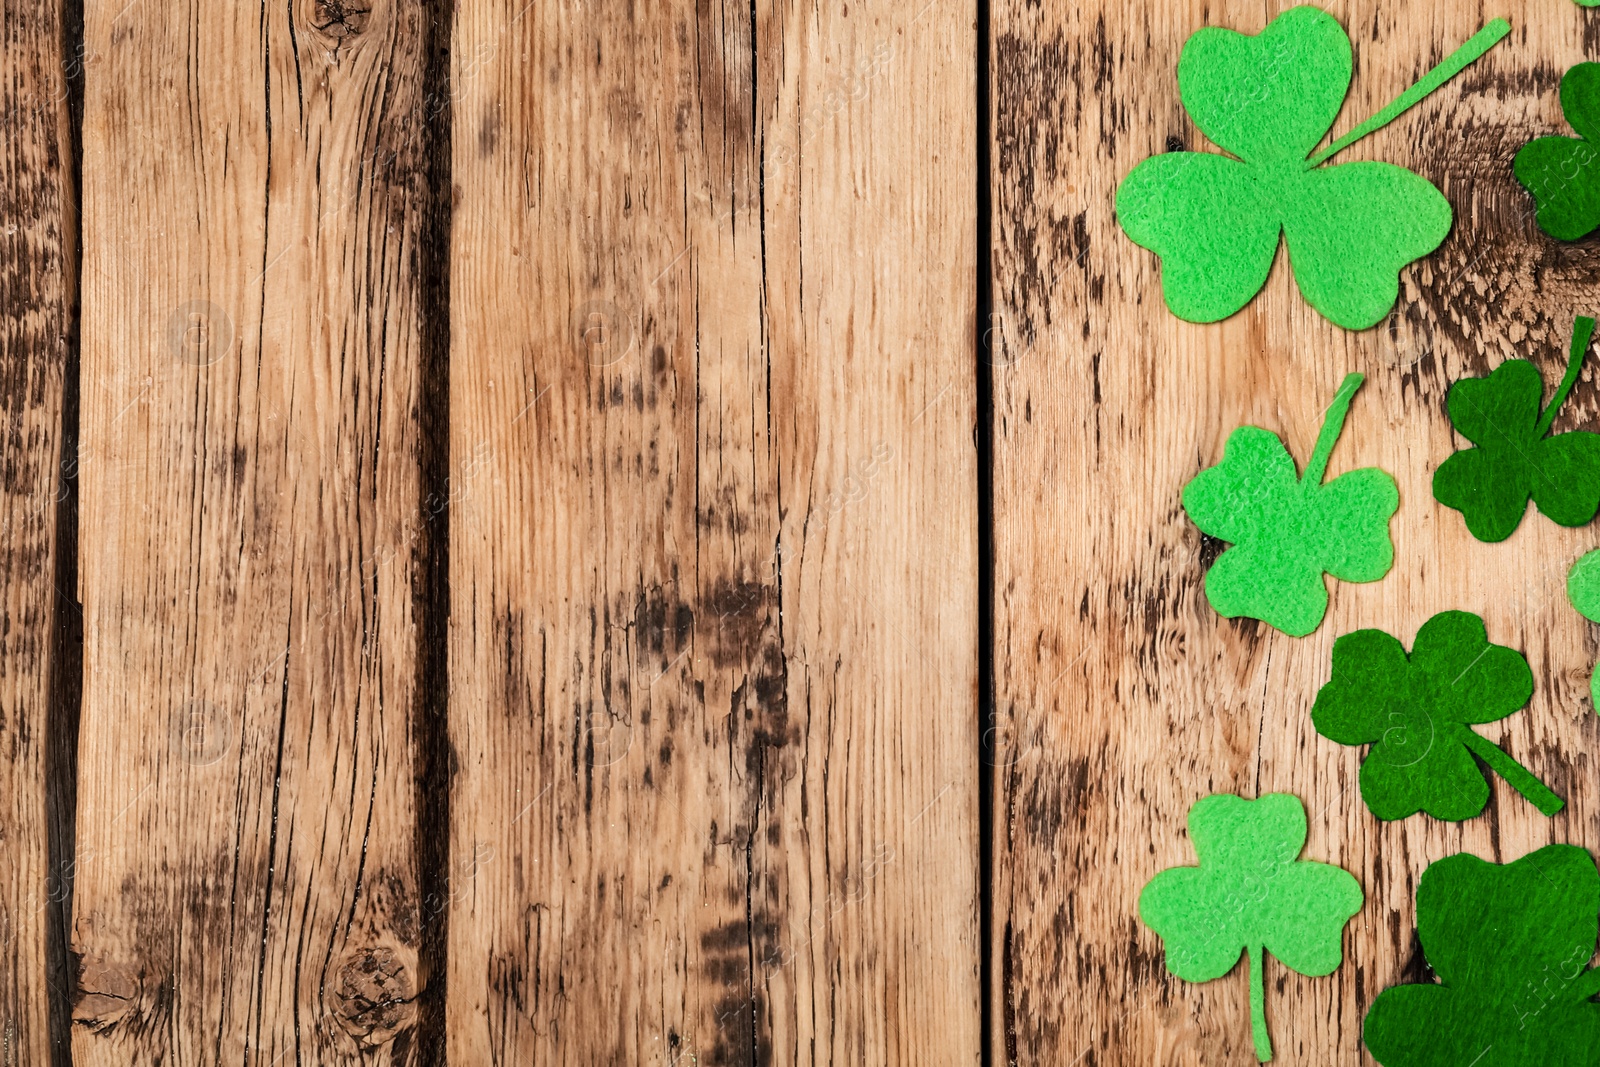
[
  {"x": 1560, "y": 172},
  {"x": 1491, "y": 484},
  {"x": 1250, "y": 896},
  {"x": 1287, "y": 531},
  {"x": 1215, "y": 220},
  {"x": 1416, "y": 713},
  {"x": 1510, "y": 945}
]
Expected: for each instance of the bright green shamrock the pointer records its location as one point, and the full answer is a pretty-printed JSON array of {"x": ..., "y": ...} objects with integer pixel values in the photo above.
[
  {"x": 1286, "y": 532},
  {"x": 1583, "y": 590},
  {"x": 1416, "y": 713},
  {"x": 1560, "y": 172},
  {"x": 1490, "y": 484},
  {"x": 1510, "y": 945},
  {"x": 1250, "y": 895},
  {"x": 1215, "y": 220}
]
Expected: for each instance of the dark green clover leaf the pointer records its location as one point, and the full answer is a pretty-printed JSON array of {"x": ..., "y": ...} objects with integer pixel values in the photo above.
[
  {"x": 1287, "y": 531},
  {"x": 1215, "y": 220},
  {"x": 1510, "y": 945},
  {"x": 1560, "y": 172},
  {"x": 1491, "y": 484},
  {"x": 1416, "y": 713},
  {"x": 1249, "y": 896}
]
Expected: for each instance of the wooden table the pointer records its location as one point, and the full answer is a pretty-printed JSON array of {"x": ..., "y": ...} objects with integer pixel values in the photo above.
[{"x": 650, "y": 533}]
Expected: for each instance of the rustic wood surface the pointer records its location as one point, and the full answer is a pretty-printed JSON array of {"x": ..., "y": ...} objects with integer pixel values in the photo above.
[
  {"x": 38, "y": 275},
  {"x": 713, "y": 535},
  {"x": 557, "y": 481},
  {"x": 1121, "y": 696},
  {"x": 255, "y": 552}
]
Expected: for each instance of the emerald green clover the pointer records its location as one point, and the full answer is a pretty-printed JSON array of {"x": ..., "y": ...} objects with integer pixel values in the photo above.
[
  {"x": 1510, "y": 945},
  {"x": 1416, "y": 713},
  {"x": 1249, "y": 896},
  {"x": 1215, "y": 220},
  {"x": 1287, "y": 532},
  {"x": 1560, "y": 171},
  {"x": 1491, "y": 484}
]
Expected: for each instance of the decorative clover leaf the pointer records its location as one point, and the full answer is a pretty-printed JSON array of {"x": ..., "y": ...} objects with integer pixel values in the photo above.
[
  {"x": 1509, "y": 944},
  {"x": 1287, "y": 532},
  {"x": 1583, "y": 590},
  {"x": 1490, "y": 484},
  {"x": 1560, "y": 171},
  {"x": 1415, "y": 713},
  {"x": 1215, "y": 220},
  {"x": 1249, "y": 894}
]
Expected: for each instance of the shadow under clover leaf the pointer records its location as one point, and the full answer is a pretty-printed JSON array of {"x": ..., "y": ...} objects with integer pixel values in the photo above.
[
  {"x": 1510, "y": 945},
  {"x": 1417, "y": 713},
  {"x": 1514, "y": 461}
]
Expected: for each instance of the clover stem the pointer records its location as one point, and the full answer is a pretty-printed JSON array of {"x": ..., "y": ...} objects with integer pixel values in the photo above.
[
  {"x": 1519, "y": 777},
  {"x": 1582, "y": 330},
  {"x": 1258, "y": 1006},
  {"x": 1479, "y": 43},
  {"x": 1332, "y": 424}
]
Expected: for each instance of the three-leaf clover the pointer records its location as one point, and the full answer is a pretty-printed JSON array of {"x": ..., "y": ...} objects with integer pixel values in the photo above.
[
  {"x": 1583, "y": 590},
  {"x": 1416, "y": 713},
  {"x": 1286, "y": 532},
  {"x": 1491, "y": 484},
  {"x": 1250, "y": 895},
  {"x": 1215, "y": 220},
  {"x": 1560, "y": 172},
  {"x": 1510, "y": 945}
]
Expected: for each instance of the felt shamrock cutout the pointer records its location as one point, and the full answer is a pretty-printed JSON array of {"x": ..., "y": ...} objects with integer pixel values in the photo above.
[
  {"x": 1561, "y": 172},
  {"x": 1509, "y": 944},
  {"x": 1490, "y": 484},
  {"x": 1250, "y": 895},
  {"x": 1215, "y": 220},
  {"x": 1287, "y": 532},
  {"x": 1416, "y": 713},
  {"x": 1583, "y": 590}
]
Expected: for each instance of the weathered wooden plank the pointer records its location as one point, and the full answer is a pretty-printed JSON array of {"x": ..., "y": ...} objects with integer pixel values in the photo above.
[
  {"x": 38, "y": 268},
  {"x": 257, "y": 205},
  {"x": 1122, "y": 695},
  {"x": 713, "y": 535}
]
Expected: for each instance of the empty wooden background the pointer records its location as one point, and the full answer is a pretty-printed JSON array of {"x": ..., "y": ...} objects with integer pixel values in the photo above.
[{"x": 559, "y": 533}]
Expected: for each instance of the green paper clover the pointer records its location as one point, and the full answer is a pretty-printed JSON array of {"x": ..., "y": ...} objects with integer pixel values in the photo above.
[
  {"x": 1560, "y": 172},
  {"x": 1583, "y": 590},
  {"x": 1510, "y": 945},
  {"x": 1215, "y": 221},
  {"x": 1250, "y": 895},
  {"x": 1415, "y": 713},
  {"x": 1287, "y": 532},
  {"x": 1491, "y": 484}
]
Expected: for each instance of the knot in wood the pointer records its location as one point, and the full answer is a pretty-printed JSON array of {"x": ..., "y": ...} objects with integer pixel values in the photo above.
[
  {"x": 374, "y": 996},
  {"x": 341, "y": 19},
  {"x": 104, "y": 994}
]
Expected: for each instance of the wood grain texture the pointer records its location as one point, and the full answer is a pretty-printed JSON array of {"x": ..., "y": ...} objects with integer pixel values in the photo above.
[
  {"x": 1122, "y": 695},
  {"x": 713, "y": 535},
  {"x": 37, "y": 293},
  {"x": 256, "y": 199}
]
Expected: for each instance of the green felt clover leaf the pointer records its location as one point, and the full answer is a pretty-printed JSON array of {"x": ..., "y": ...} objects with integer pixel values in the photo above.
[
  {"x": 1560, "y": 172},
  {"x": 1215, "y": 220},
  {"x": 1416, "y": 713},
  {"x": 1583, "y": 590},
  {"x": 1510, "y": 945},
  {"x": 1286, "y": 532},
  {"x": 1250, "y": 894},
  {"x": 1491, "y": 484}
]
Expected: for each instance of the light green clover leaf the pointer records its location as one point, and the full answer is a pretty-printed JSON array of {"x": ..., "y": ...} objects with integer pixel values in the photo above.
[
  {"x": 1287, "y": 531},
  {"x": 1250, "y": 896},
  {"x": 1215, "y": 220}
]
